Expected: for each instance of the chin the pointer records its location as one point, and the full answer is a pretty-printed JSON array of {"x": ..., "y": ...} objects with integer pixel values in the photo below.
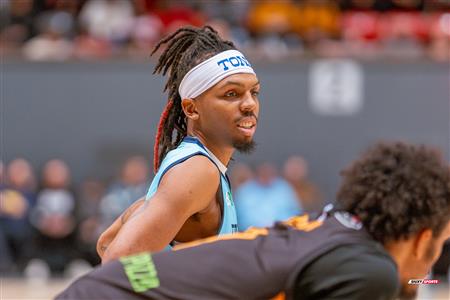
[{"x": 244, "y": 146}]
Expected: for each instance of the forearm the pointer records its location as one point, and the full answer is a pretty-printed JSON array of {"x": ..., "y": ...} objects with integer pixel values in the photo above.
[
  {"x": 143, "y": 233},
  {"x": 123, "y": 247},
  {"x": 108, "y": 236}
]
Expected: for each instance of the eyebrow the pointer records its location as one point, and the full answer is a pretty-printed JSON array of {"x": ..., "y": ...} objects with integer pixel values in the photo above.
[{"x": 237, "y": 83}]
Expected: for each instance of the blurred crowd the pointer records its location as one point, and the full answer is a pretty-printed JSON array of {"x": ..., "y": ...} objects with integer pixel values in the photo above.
[
  {"x": 59, "y": 30},
  {"x": 50, "y": 226}
]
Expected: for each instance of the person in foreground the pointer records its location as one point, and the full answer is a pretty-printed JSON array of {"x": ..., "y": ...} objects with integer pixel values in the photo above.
[
  {"x": 388, "y": 226},
  {"x": 212, "y": 111}
]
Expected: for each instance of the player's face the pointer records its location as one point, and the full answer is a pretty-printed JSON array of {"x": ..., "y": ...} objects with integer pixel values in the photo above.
[
  {"x": 228, "y": 112},
  {"x": 419, "y": 266}
]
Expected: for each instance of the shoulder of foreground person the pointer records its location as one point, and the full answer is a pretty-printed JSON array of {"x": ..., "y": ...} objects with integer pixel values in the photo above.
[{"x": 349, "y": 272}]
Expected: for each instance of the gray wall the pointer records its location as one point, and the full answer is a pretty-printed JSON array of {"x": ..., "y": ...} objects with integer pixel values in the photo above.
[{"x": 94, "y": 115}]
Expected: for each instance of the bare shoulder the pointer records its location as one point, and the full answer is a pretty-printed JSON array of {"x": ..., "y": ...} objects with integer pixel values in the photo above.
[
  {"x": 196, "y": 168},
  {"x": 194, "y": 182}
]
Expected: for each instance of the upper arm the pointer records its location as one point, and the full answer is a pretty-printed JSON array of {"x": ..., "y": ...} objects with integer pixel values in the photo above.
[
  {"x": 184, "y": 190},
  {"x": 345, "y": 274}
]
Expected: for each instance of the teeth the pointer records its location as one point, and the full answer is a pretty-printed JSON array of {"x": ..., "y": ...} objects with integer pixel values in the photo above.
[{"x": 246, "y": 125}]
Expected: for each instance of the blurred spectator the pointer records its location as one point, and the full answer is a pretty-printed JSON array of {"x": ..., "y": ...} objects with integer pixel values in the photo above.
[
  {"x": 90, "y": 194},
  {"x": 101, "y": 29},
  {"x": 131, "y": 186},
  {"x": 266, "y": 199},
  {"x": 272, "y": 23},
  {"x": 17, "y": 199},
  {"x": 67, "y": 12},
  {"x": 6, "y": 259},
  {"x": 317, "y": 21},
  {"x": 403, "y": 35},
  {"x": 51, "y": 43},
  {"x": 240, "y": 174},
  {"x": 87, "y": 47},
  {"x": 229, "y": 14},
  {"x": 439, "y": 48},
  {"x": 17, "y": 19},
  {"x": 233, "y": 12},
  {"x": 146, "y": 30},
  {"x": 109, "y": 20},
  {"x": 361, "y": 33},
  {"x": 174, "y": 14},
  {"x": 54, "y": 218},
  {"x": 272, "y": 17},
  {"x": 295, "y": 171}
]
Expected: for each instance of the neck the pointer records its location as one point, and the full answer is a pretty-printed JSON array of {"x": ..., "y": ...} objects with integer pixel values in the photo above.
[
  {"x": 222, "y": 152},
  {"x": 400, "y": 253}
]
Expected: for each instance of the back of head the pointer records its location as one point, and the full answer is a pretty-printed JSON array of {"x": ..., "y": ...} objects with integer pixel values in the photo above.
[
  {"x": 186, "y": 48},
  {"x": 397, "y": 190}
]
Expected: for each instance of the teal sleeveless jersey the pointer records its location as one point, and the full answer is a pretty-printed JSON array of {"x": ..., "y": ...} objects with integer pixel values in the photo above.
[{"x": 191, "y": 146}]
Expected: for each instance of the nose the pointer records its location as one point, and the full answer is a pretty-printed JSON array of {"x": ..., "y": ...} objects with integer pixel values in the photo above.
[{"x": 249, "y": 103}]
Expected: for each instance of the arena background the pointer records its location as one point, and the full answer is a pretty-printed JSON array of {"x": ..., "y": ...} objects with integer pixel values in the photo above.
[
  {"x": 94, "y": 116},
  {"x": 330, "y": 89}
]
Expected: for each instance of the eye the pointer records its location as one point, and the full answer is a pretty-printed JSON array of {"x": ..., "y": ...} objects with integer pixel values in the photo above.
[
  {"x": 230, "y": 94},
  {"x": 255, "y": 93}
]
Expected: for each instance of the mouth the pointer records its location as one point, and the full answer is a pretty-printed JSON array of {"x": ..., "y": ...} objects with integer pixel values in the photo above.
[{"x": 247, "y": 126}]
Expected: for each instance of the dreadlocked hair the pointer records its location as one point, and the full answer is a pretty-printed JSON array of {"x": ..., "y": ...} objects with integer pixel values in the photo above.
[{"x": 186, "y": 48}]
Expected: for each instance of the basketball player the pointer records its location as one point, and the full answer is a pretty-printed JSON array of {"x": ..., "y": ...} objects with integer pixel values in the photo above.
[
  {"x": 391, "y": 220},
  {"x": 211, "y": 112}
]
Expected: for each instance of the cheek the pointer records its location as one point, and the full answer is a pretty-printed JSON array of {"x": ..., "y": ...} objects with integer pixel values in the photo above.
[{"x": 222, "y": 108}]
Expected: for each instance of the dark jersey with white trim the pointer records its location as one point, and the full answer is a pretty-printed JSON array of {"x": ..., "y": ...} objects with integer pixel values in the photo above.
[{"x": 261, "y": 263}]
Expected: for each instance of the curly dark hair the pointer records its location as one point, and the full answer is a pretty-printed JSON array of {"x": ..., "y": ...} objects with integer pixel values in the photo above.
[
  {"x": 397, "y": 190},
  {"x": 186, "y": 48}
]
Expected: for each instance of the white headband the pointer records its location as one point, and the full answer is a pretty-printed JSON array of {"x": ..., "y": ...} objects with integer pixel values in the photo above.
[{"x": 211, "y": 71}]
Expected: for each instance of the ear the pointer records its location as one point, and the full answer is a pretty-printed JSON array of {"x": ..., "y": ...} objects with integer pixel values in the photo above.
[
  {"x": 189, "y": 107},
  {"x": 422, "y": 243}
]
